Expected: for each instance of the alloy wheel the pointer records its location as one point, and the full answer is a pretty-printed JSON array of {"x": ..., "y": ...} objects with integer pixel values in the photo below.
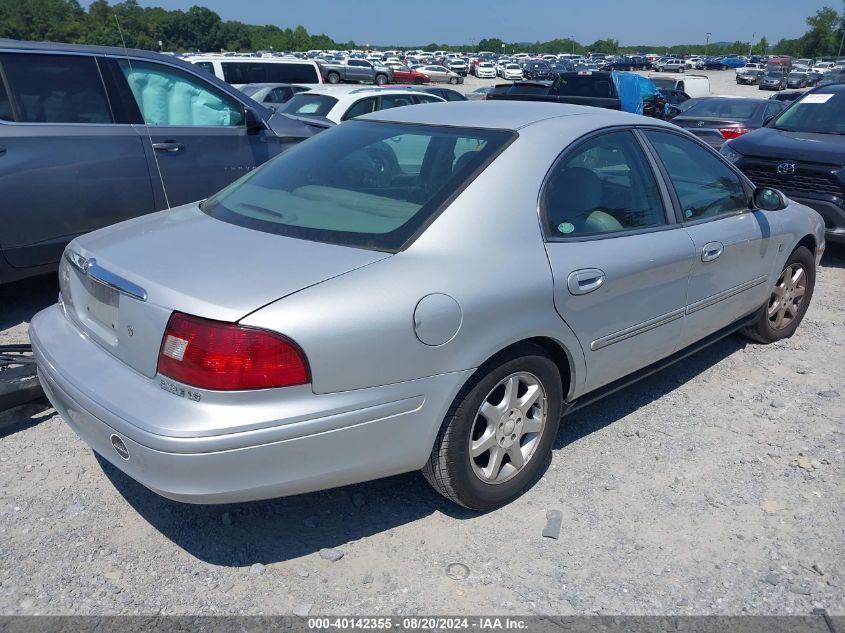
[
  {"x": 787, "y": 296},
  {"x": 507, "y": 428}
]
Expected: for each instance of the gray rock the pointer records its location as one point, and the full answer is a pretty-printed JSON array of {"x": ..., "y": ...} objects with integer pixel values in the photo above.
[
  {"x": 554, "y": 518},
  {"x": 801, "y": 591},
  {"x": 302, "y": 610},
  {"x": 226, "y": 586},
  {"x": 256, "y": 568},
  {"x": 301, "y": 573},
  {"x": 331, "y": 554},
  {"x": 368, "y": 579},
  {"x": 358, "y": 500},
  {"x": 457, "y": 571},
  {"x": 226, "y": 519},
  {"x": 772, "y": 579},
  {"x": 777, "y": 404},
  {"x": 830, "y": 393}
]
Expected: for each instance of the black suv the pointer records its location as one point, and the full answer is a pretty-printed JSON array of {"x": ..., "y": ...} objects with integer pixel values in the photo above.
[
  {"x": 802, "y": 153},
  {"x": 537, "y": 71},
  {"x": 91, "y": 136}
]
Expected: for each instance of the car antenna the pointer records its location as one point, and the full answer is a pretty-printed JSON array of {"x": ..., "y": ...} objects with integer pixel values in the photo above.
[{"x": 146, "y": 125}]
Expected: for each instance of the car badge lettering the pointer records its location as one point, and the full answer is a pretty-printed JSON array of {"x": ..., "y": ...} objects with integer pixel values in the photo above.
[{"x": 785, "y": 168}]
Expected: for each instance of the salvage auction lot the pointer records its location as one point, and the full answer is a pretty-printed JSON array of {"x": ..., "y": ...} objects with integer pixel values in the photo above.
[{"x": 712, "y": 487}]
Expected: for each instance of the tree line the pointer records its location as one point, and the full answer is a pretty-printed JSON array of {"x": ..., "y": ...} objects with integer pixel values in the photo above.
[{"x": 201, "y": 29}]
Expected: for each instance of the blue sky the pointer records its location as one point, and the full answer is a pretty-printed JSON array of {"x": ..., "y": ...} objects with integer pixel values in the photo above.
[{"x": 464, "y": 21}]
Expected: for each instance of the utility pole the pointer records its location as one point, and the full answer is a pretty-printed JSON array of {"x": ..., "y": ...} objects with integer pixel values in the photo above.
[
  {"x": 751, "y": 46},
  {"x": 707, "y": 45},
  {"x": 839, "y": 54},
  {"x": 572, "y": 39}
]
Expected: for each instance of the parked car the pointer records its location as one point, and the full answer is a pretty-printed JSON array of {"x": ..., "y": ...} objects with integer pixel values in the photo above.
[
  {"x": 750, "y": 78},
  {"x": 441, "y": 74},
  {"x": 404, "y": 75},
  {"x": 459, "y": 66},
  {"x": 796, "y": 80},
  {"x": 536, "y": 71},
  {"x": 773, "y": 80},
  {"x": 512, "y": 71},
  {"x": 273, "y": 95},
  {"x": 447, "y": 94},
  {"x": 627, "y": 63},
  {"x": 358, "y": 71},
  {"x": 694, "y": 85},
  {"x": 479, "y": 93},
  {"x": 338, "y": 104},
  {"x": 802, "y": 152},
  {"x": 242, "y": 70},
  {"x": 90, "y": 136},
  {"x": 732, "y": 62},
  {"x": 716, "y": 120},
  {"x": 388, "y": 345},
  {"x": 712, "y": 63},
  {"x": 670, "y": 65},
  {"x": 485, "y": 70}
]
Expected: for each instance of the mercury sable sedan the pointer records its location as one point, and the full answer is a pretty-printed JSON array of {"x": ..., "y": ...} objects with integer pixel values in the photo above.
[{"x": 420, "y": 288}]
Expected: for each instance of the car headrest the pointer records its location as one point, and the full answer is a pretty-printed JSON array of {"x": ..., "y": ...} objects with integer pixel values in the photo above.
[{"x": 573, "y": 194}]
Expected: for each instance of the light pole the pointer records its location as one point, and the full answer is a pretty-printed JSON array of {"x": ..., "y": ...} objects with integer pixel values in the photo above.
[
  {"x": 572, "y": 39},
  {"x": 707, "y": 45},
  {"x": 839, "y": 54},
  {"x": 750, "y": 46}
]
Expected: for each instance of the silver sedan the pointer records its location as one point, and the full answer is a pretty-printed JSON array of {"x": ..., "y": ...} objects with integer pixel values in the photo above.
[{"x": 422, "y": 288}]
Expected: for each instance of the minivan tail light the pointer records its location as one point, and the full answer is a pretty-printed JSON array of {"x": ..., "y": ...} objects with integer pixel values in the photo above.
[
  {"x": 227, "y": 356},
  {"x": 733, "y": 132}
]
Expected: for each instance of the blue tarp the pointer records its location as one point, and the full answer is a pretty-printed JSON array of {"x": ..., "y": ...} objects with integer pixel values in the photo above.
[{"x": 632, "y": 89}]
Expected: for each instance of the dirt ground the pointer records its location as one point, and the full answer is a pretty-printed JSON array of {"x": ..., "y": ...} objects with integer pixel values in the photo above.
[{"x": 713, "y": 487}]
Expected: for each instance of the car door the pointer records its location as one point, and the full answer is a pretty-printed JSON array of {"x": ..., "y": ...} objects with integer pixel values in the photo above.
[
  {"x": 195, "y": 134},
  {"x": 734, "y": 248},
  {"x": 70, "y": 162},
  {"x": 359, "y": 70},
  {"x": 620, "y": 261}
]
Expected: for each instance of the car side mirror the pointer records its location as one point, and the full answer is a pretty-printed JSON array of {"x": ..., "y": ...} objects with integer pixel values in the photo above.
[
  {"x": 254, "y": 123},
  {"x": 769, "y": 199}
]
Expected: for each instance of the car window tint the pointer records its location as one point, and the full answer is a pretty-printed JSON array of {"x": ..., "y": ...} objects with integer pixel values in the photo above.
[
  {"x": 370, "y": 184},
  {"x": 279, "y": 95},
  {"x": 364, "y": 106},
  {"x": 396, "y": 101},
  {"x": 168, "y": 96},
  {"x": 207, "y": 66},
  {"x": 772, "y": 109},
  {"x": 606, "y": 185},
  {"x": 56, "y": 88},
  {"x": 309, "y": 105},
  {"x": 5, "y": 104},
  {"x": 269, "y": 72},
  {"x": 732, "y": 108},
  {"x": 706, "y": 186},
  {"x": 451, "y": 95},
  {"x": 427, "y": 99}
]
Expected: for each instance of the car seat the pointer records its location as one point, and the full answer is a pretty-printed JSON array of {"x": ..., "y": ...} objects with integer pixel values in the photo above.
[{"x": 575, "y": 197}]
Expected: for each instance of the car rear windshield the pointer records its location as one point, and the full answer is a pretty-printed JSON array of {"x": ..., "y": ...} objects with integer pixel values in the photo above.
[
  {"x": 728, "y": 108},
  {"x": 363, "y": 183},
  {"x": 584, "y": 86},
  {"x": 309, "y": 105},
  {"x": 817, "y": 112}
]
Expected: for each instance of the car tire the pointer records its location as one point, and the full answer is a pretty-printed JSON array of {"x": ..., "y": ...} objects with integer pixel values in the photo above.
[
  {"x": 453, "y": 80},
  {"x": 788, "y": 301},
  {"x": 680, "y": 70},
  {"x": 333, "y": 78},
  {"x": 381, "y": 80},
  {"x": 724, "y": 67},
  {"x": 418, "y": 81},
  {"x": 490, "y": 480}
]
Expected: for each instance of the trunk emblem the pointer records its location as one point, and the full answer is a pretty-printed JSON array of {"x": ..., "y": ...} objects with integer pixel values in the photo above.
[
  {"x": 786, "y": 168},
  {"x": 119, "y": 447}
]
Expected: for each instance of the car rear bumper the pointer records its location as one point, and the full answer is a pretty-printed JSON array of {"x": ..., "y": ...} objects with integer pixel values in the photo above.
[{"x": 336, "y": 440}]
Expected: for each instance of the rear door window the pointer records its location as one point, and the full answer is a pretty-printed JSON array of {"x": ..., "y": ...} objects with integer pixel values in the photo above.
[
  {"x": 269, "y": 72},
  {"x": 364, "y": 106},
  {"x": 55, "y": 89},
  {"x": 309, "y": 105},
  {"x": 6, "y": 113}
]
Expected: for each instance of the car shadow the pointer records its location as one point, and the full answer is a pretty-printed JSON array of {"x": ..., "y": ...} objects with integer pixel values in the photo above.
[
  {"x": 237, "y": 535},
  {"x": 21, "y": 300},
  {"x": 834, "y": 256}
]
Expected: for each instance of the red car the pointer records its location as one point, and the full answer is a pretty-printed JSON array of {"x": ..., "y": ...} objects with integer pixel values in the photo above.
[{"x": 404, "y": 75}]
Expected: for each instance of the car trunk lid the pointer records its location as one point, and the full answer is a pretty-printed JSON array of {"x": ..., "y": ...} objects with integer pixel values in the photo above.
[{"x": 121, "y": 284}]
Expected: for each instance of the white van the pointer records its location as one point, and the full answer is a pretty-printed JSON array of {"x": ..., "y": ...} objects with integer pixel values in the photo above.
[
  {"x": 694, "y": 85},
  {"x": 239, "y": 71}
]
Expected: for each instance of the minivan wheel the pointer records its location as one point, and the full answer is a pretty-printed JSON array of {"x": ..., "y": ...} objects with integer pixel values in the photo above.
[
  {"x": 788, "y": 302},
  {"x": 498, "y": 432}
]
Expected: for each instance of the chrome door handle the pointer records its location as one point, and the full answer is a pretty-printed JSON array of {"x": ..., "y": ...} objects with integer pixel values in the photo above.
[
  {"x": 580, "y": 282},
  {"x": 711, "y": 251},
  {"x": 168, "y": 146}
]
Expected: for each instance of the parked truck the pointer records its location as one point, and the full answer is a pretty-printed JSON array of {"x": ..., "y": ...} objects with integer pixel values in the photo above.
[{"x": 357, "y": 70}]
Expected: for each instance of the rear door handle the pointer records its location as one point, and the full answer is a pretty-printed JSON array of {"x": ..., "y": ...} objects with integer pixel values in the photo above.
[
  {"x": 580, "y": 282},
  {"x": 711, "y": 251},
  {"x": 168, "y": 146}
]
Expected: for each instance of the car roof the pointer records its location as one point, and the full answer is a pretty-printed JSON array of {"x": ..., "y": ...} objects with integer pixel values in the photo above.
[
  {"x": 82, "y": 48},
  {"x": 503, "y": 115}
]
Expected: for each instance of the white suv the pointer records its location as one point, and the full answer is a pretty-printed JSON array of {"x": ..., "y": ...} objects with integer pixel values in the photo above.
[
  {"x": 670, "y": 65},
  {"x": 341, "y": 103}
]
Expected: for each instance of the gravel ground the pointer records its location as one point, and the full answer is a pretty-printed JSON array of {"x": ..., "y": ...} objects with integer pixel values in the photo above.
[{"x": 713, "y": 487}]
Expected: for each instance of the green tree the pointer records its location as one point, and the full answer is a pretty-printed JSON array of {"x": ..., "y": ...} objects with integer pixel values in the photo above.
[
  {"x": 763, "y": 46},
  {"x": 301, "y": 39},
  {"x": 822, "y": 39}
]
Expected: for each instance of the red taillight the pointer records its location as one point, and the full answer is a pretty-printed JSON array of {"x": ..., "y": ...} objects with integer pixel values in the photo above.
[
  {"x": 228, "y": 357},
  {"x": 733, "y": 132}
]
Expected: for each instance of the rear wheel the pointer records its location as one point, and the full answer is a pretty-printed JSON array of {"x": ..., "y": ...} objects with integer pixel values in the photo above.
[
  {"x": 333, "y": 78},
  {"x": 499, "y": 431},
  {"x": 788, "y": 301}
]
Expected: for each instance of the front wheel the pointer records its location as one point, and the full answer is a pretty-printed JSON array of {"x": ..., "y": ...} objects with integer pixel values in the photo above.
[
  {"x": 498, "y": 432},
  {"x": 789, "y": 299},
  {"x": 333, "y": 78},
  {"x": 453, "y": 80}
]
